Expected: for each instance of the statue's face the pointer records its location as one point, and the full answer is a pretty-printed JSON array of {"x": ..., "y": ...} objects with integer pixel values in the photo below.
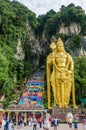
[{"x": 60, "y": 48}]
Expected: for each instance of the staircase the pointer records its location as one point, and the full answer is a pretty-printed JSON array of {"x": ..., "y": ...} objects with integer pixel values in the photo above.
[{"x": 32, "y": 96}]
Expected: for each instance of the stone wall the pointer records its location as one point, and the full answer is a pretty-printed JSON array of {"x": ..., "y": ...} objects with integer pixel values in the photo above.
[{"x": 61, "y": 113}]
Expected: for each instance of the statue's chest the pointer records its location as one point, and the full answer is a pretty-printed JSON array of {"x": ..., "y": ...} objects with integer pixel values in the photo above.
[{"x": 61, "y": 59}]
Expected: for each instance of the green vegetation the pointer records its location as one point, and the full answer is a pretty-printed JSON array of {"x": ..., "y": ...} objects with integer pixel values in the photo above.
[
  {"x": 13, "y": 20},
  {"x": 80, "y": 77},
  {"x": 75, "y": 43}
]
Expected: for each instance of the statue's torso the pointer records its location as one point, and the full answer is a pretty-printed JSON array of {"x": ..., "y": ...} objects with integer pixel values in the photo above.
[{"x": 61, "y": 60}]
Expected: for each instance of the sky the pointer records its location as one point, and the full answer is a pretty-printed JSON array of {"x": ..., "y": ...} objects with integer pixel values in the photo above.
[{"x": 42, "y": 6}]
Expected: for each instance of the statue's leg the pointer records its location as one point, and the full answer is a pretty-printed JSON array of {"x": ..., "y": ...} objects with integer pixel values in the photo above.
[
  {"x": 62, "y": 94},
  {"x": 67, "y": 91},
  {"x": 58, "y": 93}
]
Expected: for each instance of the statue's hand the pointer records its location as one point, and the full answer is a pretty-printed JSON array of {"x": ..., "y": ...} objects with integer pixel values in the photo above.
[{"x": 69, "y": 72}]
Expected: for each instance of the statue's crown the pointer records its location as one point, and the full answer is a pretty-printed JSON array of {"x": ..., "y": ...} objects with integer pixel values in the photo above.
[{"x": 60, "y": 42}]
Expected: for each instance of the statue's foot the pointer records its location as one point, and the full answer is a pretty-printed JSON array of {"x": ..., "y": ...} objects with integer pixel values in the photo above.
[
  {"x": 50, "y": 107},
  {"x": 54, "y": 104},
  {"x": 66, "y": 106},
  {"x": 75, "y": 106},
  {"x": 60, "y": 105}
]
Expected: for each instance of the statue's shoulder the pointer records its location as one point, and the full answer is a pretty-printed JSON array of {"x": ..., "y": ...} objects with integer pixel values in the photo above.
[
  {"x": 68, "y": 55},
  {"x": 50, "y": 55},
  {"x": 49, "y": 58}
]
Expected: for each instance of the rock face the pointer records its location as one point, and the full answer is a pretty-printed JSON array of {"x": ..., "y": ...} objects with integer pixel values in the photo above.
[
  {"x": 40, "y": 46},
  {"x": 34, "y": 43},
  {"x": 20, "y": 53},
  {"x": 73, "y": 28},
  {"x": 77, "y": 51},
  {"x": 83, "y": 47},
  {"x": 32, "y": 40}
]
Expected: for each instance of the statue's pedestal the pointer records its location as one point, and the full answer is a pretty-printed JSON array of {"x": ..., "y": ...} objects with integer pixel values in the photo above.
[{"x": 61, "y": 113}]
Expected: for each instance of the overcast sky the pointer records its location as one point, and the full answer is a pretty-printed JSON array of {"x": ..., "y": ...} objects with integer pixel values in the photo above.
[{"x": 43, "y": 6}]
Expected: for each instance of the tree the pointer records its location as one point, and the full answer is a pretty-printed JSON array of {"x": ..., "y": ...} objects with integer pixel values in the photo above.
[
  {"x": 80, "y": 76},
  {"x": 5, "y": 81}
]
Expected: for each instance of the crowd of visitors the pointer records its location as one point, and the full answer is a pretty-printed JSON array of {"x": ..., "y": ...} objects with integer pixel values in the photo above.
[{"x": 45, "y": 122}]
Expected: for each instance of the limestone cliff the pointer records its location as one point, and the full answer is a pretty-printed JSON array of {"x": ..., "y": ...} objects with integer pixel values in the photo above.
[
  {"x": 20, "y": 55},
  {"x": 83, "y": 47},
  {"x": 40, "y": 46},
  {"x": 73, "y": 28}
]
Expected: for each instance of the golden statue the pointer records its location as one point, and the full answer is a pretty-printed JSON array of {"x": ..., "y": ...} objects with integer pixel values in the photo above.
[{"x": 60, "y": 75}]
